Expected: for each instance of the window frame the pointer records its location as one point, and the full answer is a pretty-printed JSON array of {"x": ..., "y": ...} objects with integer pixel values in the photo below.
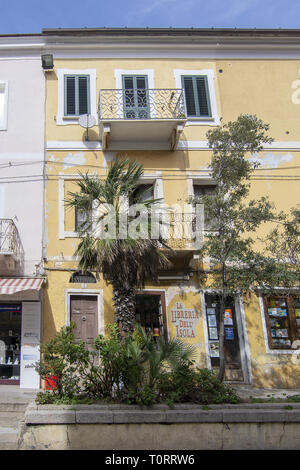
[
  {"x": 3, "y": 122},
  {"x": 61, "y": 118},
  {"x": 214, "y": 119}
]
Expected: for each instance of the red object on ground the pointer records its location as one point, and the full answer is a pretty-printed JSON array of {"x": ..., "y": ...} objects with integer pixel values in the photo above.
[{"x": 50, "y": 382}]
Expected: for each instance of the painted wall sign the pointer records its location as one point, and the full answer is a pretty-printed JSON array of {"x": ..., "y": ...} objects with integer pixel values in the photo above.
[
  {"x": 30, "y": 351},
  {"x": 185, "y": 321}
]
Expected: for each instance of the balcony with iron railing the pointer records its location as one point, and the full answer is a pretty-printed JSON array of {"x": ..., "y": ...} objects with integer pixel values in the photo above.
[
  {"x": 11, "y": 248},
  {"x": 129, "y": 117}
]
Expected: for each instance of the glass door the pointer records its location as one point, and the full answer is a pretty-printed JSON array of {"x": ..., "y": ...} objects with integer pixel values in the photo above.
[{"x": 136, "y": 101}]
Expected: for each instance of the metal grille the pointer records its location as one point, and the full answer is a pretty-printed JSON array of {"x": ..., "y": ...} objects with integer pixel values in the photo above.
[
  {"x": 141, "y": 104},
  {"x": 10, "y": 242}
]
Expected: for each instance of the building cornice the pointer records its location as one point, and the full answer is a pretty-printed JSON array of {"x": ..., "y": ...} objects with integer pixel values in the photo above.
[{"x": 155, "y": 43}]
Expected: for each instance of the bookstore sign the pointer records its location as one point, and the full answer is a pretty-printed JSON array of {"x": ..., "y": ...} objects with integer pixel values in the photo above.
[{"x": 185, "y": 321}]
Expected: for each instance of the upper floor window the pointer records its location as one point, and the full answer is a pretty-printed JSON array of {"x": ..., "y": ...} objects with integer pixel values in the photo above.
[
  {"x": 282, "y": 320},
  {"x": 77, "y": 95},
  {"x": 201, "y": 190},
  {"x": 83, "y": 219},
  {"x": 199, "y": 87},
  {"x": 196, "y": 96},
  {"x": 3, "y": 104},
  {"x": 143, "y": 193}
]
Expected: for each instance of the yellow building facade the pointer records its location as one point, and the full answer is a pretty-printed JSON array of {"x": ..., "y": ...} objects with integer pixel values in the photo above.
[{"x": 152, "y": 95}]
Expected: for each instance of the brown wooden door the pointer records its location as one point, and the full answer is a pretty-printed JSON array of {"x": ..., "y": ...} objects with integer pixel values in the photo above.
[{"x": 84, "y": 314}]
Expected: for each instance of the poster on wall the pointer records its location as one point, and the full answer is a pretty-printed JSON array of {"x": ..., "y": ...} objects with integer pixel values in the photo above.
[
  {"x": 228, "y": 317},
  {"x": 30, "y": 342},
  {"x": 213, "y": 333},
  {"x": 214, "y": 349},
  {"x": 229, "y": 333}
]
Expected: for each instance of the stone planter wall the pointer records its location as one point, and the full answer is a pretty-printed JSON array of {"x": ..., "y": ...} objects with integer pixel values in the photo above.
[{"x": 124, "y": 427}]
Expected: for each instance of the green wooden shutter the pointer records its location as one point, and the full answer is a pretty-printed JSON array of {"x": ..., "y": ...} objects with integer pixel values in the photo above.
[
  {"x": 83, "y": 95},
  {"x": 77, "y": 95},
  {"x": 196, "y": 96},
  {"x": 70, "y": 100}
]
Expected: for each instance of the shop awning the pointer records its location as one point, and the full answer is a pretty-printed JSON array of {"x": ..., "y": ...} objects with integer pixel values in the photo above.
[{"x": 12, "y": 285}]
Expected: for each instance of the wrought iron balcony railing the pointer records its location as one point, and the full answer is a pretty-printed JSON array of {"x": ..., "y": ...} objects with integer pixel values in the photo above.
[
  {"x": 141, "y": 104},
  {"x": 10, "y": 242}
]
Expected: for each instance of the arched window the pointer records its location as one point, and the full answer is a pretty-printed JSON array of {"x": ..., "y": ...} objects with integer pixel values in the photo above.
[{"x": 83, "y": 278}]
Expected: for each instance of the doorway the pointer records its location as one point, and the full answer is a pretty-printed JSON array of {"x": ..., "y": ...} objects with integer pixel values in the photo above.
[{"x": 233, "y": 363}]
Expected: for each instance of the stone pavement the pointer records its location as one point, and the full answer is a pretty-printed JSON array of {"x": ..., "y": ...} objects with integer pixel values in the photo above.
[
  {"x": 13, "y": 403},
  {"x": 247, "y": 391}
]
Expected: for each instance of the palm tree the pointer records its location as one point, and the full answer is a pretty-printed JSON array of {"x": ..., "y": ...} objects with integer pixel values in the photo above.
[{"x": 125, "y": 261}]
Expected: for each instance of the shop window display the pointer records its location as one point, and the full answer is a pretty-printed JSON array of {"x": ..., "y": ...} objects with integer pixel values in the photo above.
[{"x": 10, "y": 342}]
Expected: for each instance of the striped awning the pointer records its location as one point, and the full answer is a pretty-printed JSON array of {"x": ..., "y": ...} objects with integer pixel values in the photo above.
[{"x": 12, "y": 285}]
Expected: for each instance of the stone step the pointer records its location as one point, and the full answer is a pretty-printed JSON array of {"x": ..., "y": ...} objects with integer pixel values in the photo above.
[
  {"x": 13, "y": 406},
  {"x": 8, "y": 438},
  {"x": 10, "y": 418}
]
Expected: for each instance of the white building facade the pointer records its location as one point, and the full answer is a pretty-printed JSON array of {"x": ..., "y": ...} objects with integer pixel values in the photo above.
[{"x": 22, "y": 100}]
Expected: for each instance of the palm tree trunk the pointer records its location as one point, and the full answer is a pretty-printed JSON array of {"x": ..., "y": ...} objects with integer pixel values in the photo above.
[{"x": 124, "y": 303}]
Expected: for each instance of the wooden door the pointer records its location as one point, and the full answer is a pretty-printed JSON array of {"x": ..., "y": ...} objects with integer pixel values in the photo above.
[{"x": 84, "y": 313}]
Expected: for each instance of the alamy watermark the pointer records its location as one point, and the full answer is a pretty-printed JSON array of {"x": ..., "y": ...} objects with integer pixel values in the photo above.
[{"x": 138, "y": 221}]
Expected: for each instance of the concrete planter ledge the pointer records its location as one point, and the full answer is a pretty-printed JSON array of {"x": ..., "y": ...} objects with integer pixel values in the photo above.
[{"x": 123, "y": 414}]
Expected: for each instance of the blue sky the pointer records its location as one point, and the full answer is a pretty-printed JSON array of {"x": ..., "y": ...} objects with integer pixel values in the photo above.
[{"x": 30, "y": 16}]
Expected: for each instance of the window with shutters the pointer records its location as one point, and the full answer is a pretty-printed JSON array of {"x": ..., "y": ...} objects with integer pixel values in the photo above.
[
  {"x": 196, "y": 96},
  {"x": 76, "y": 95},
  {"x": 199, "y": 88}
]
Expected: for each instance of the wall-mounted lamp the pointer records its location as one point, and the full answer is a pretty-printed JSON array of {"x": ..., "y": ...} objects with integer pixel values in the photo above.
[{"x": 47, "y": 61}]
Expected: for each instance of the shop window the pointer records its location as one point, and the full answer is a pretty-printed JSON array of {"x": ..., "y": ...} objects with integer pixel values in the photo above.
[
  {"x": 283, "y": 320},
  {"x": 150, "y": 314},
  {"x": 83, "y": 278},
  {"x": 10, "y": 342}
]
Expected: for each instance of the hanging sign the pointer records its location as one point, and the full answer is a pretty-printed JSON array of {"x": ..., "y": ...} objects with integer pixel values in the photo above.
[{"x": 185, "y": 321}]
